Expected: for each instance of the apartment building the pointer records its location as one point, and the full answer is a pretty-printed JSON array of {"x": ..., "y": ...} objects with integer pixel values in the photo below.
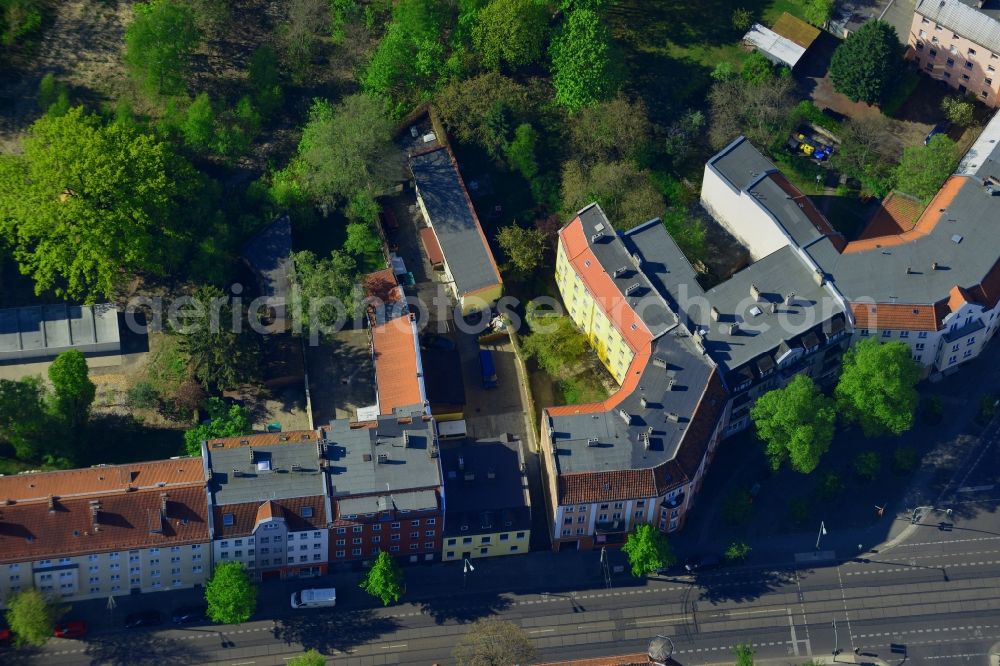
[
  {"x": 270, "y": 509},
  {"x": 385, "y": 484},
  {"x": 489, "y": 510},
  {"x": 105, "y": 531},
  {"x": 958, "y": 42}
]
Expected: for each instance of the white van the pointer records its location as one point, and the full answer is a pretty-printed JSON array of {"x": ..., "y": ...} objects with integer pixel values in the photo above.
[{"x": 317, "y": 598}]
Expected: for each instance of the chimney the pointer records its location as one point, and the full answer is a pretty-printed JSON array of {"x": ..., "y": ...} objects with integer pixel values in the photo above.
[
  {"x": 406, "y": 438},
  {"x": 670, "y": 384},
  {"x": 620, "y": 271},
  {"x": 819, "y": 277},
  {"x": 491, "y": 474},
  {"x": 790, "y": 298},
  {"x": 251, "y": 456},
  {"x": 625, "y": 416},
  {"x": 52, "y": 504},
  {"x": 643, "y": 402},
  {"x": 754, "y": 291},
  {"x": 934, "y": 266},
  {"x": 644, "y": 438},
  {"x": 659, "y": 362},
  {"x": 632, "y": 288},
  {"x": 95, "y": 511},
  {"x": 771, "y": 308},
  {"x": 164, "y": 498},
  {"x": 715, "y": 313},
  {"x": 734, "y": 328},
  {"x": 909, "y": 270}
]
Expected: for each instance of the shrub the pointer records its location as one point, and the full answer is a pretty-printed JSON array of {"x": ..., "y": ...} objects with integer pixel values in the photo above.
[
  {"x": 987, "y": 407},
  {"x": 830, "y": 486},
  {"x": 867, "y": 465},
  {"x": 933, "y": 408},
  {"x": 737, "y": 551},
  {"x": 142, "y": 396},
  {"x": 738, "y": 507},
  {"x": 905, "y": 460},
  {"x": 798, "y": 511}
]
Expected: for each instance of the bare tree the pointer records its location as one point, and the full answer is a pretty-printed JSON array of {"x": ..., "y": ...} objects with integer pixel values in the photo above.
[
  {"x": 759, "y": 111},
  {"x": 493, "y": 642},
  {"x": 308, "y": 23}
]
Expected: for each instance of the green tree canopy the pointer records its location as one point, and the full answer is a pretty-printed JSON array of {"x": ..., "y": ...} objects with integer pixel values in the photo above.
[
  {"x": 308, "y": 658},
  {"x": 265, "y": 81},
  {"x": 222, "y": 351},
  {"x": 555, "y": 343},
  {"x": 73, "y": 392},
  {"x": 688, "y": 231},
  {"x": 159, "y": 43},
  {"x": 877, "y": 387},
  {"x": 924, "y": 169},
  {"x": 737, "y": 551},
  {"x": 384, "y": 579},
  {"x": 610, "y": 131},
  {"x": 230, "y": 594},
  {"x": 523, "y": 247},
  {"x": 586, "y": 67},
  {"x": 511, "y": 33},
  {"x": 864, "y": 155},
  {"x": 796, "y": 423},
  {"x": 492, "y": 642},
  {"x": 88, "y": 204},
  {"x": 19, "y": 18},
  {"x": 521, "y": 151},
  {"x": 760, "y": 111},
  {"x": 198, "y": 127},
  {"x": 743, "y": 654},
  {"x": 221, "y": 421},
  {"x": 346, "y": 148},
  {"x": 624, "y": 191},
  {"x": 648, "y": 550},
  {"x": 818, "y": 12},
  {"x": 867, "y": 65},
  {"x": 32, "y": 617},
  {"x": 23, "y": 418},
  {"x": 757, "y": 69},
  {"x": 958, "y": 110},
  {"x": 326, "y": 291}
]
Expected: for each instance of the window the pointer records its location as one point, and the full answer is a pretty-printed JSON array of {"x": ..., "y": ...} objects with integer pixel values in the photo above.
[
  {"x": 485, "y": 539},
  {"x": 340, "y": 553},
  {"x": 967, "y": 354},
  {"x": 291, "y": 537},
  {"x": 947, "y": 75},
  {"x": 375, "y": 539},
  {"x": 376, "y": 528},
  {"x": 414, "y": 546},
  {"x": 428, "y": 545},
  {"x": 393, "y": 549},
  {"x": 616, "y": 516},
  {"x": 971, "y": 341},
  {"x": 965, "y": 77},
  {"x": 581, "y": 520},
  {"x": 641, "y": 503},
  {"x": 196, "y": 569},
  {"x": 565, "y": 532},
  {"x": 307, "y": 512},
  {"x": 484, "y": 551},
  {"x": 886, "y": 334},
  {"x": 971, "y": 52},
  {"x": 155, "y": 573},
  {"x": 395, "y": 537},
  {"x": 225, "y": 556},
  {"x": 922, "y": 334},
  {"x": 950, "y": 62},
  {"x": 954, "y": 347},
  {"x": 341, "y": 530},
  {"x": 619, "y": 505},
  {"x": 414, "y": 535},
  {"x": 933, "y": 52},
  {"x": 450, "y": 554},
  {"x": 904, "y": 334},
  {"x": 579, "y": 530},
  {"x": 196, "y": 546},
  {"x": 604, "y": 507},
  {"x": 429, "y": 533},
  {"x": 116, "y": 567},
  {"x": 452, "y": 542},
  {"x": 227, "y": 519},
  {"x": 135, "y": 558},
  {"x": 238, "y": 542},
  {"x": 603, "y": 517},
  {"x": 520, "y": 535},
  {"x": 918, "y": 346},
  {"x": 504, "y": 537},
  {"x": 864, "y": 332},
  {"x": 968, "y": 65},
  {"x": 568, "y": 520},
  {"x": 984, "y": 94},
  {"x": 134, "y": 571},
  {"x": 175, "y": 571},
  {"x": 395, "y": 526},
  {"x": 93, "y": 558},
  {"x": 415, "y": 523},
  {"x": 431, "y": 521},
  {"x": 356, "y": 551},
  {"x": 94, "y": 568},
  {"x": 989, "y": 82},
  {"x": 952, "y": 360},
  {"x": 340, "y": 542},
  {"x": 194, "y": 558}
]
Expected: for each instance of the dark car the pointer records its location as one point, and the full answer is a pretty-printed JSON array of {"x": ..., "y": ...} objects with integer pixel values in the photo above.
[
  {"x": 190, "y": 615},
  {"x": 6, "y": 637},
  {"x": 73, "y": 629},
  {"x": 941, "y": 128},
  {"x": 703, "y": 563},
  {"x": 431, "y": 341},
  {"x": 148, "y": 618}
]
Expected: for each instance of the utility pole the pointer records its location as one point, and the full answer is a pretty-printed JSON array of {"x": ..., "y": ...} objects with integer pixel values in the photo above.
[
  {"x": 822, "y": 533},
  {"x": 604, "y": 566}
]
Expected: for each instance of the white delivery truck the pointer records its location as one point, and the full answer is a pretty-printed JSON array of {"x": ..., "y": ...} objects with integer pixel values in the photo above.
[{"x": 316, "y": 598}]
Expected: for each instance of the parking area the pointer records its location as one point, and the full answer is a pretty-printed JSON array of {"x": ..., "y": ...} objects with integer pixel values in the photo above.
[{"x": 341, "y": 376}]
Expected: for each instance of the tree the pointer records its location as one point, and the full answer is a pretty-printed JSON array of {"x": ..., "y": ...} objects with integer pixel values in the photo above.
[
  {"x": 307, "y": 22},
  {"x": 524, "y": 247},
  {"x": 265, "y": 81},
  {"x": 924, "y": 168},
  {"x": 817, "y": 12},
  {"x": 308, "y": 658},
  {"x": 221, "y": 421},
  {"x": 585, "y": 64},
  {"x": 19, "y": 18},
  {"x": 346, "y": 148},
  {"x": 32, "y": 617},
  {"x": 23, "y": 418},
  {"x": 326, "y": 290},
  {"x": 222, "y": 351},
  {"x": 384, "y": 579},
  {"x": 737, "y": 551},
  {"x": 864, "y": 156},
  {"x": 877, "y": 387},
  {"x": 742, "y": 19},
  {"x": 683, "y": 135},
  {"x": 647, "y": 550},
  {"x": 521, "y": 151},
  {"x": 159, "y": 43},
  {"x": 688, "y": 231},
  {"x": 796, "y": 423},
  {"x": 610, "y": 131},
  {"x": 362, "y": 241},
  {"x": 867, "y": 465},
  {"x": 761, "y": 111},
  {"x": 623, "y": 190},
  {"x": 867, "y": 65},
  {"x": 230, "y": 594},
  {"x": 958, "y": 110},
  {"x": 53, "y": 98},
  {"x": 555, "y": 343},
  {"x": 743, "y": 654},
  {"x": 73, "y": 392},
  {"x": 88, "y": 204},
  {"x": 198, "y": 127},
  {"x": 492, "y": 642},
  {"x": 511, "y": 33},
  {"x": 757, "y": 69}
]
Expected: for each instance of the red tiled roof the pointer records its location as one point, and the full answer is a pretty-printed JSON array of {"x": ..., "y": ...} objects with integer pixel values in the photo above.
[
  {"x": 928, "y": 220},
  {"x": 434, "y": 253},
  {"x": 382, "y": 285},
  {"x": 897, "y": 214},
  {"x": 31, "y": 531},
  {"x": 247, "y": 515},
  {"x": 641, "y": 659},
  {"x": 397, "y": 377},
  {"x": 263, "y": 439},
  {"x": 899, "y": 316},
  {"x": 619, "y": 484},
  {"x": 102, "y": 479},
  {"x": 957, "y": 297}
]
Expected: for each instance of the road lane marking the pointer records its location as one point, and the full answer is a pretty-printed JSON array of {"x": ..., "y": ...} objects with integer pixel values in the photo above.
[
  {"x": 540, "y": 631},
  {"x": 752, "y": 612},
  {"x": 655, "y": 620}
]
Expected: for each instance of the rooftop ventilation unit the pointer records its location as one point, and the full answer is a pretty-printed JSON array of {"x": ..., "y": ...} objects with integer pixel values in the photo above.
[
  {"x": 644, "y": 403},
  {"x": 592, "y": 442},
  {"x": 957, "y": 238},
  {"x": 659, "y": 362},
  {"x": 625, "y": 416},
  {"x": 673, "y": 417},
  {"x": 620, "y": 271},
  {"x": 644, "y": 439},
  {"x": 636, "y": 260},
  {"x": 632, "y": 288},
  {"x": 715, "y": 313},
  {"x": 596, "y": 237},
  {"x": 383, "y": 458},
  {"x": 734, "y": 328},
  {"x": 670, "y": 384},
  {"x": 754, "y": 291},
  {"x": 790, "y": 298}
]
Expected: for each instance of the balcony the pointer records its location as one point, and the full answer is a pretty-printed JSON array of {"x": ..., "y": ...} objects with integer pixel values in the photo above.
[{"x": 673, "y": 503}]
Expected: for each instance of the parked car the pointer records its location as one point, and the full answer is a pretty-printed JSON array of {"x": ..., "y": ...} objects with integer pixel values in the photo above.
[
  {"x": 315, "y": 598},
  {"x": 488, "y": 368},
  {"x": 73, "y": 629},
  {"x": 146, "y": 618},
  {"x": 190, "y": 615},
  {"x": 941, "y": 128},
  {"x": 6, "y": 637},
  {"x": 388, "y": 219},
  {"x": 703, "y": 563},
  {"x": 432, "y": 341}
]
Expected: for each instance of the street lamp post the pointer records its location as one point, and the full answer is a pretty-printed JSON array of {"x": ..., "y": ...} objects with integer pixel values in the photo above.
[
  {"x": 822, "y": 533},
  {"x": 836, "y": 641},
  {"x": 466, "y": 569}
]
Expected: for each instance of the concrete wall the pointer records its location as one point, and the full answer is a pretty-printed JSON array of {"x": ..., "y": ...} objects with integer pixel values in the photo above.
[{"x": 740, "y": 214}]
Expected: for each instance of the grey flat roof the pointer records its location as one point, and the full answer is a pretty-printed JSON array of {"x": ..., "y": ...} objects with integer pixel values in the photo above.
[
  {"x": 964, "y": 17},
  {"x": 269, "y": 476},
  {"x": 269, "y": 255},
  {"x": 740, "y": 163},
  {"x": 495, "y": 495},
  {"x": 970, "y": 218},
  {"x": 466, "y": 252},
  {"x": 408, "y": 464},
  {"x": 44, "y": 331},
  {"x": 687, "y": 371},
  {"x": 421, "y": 500},
  {"x": 611, "y": 251}
]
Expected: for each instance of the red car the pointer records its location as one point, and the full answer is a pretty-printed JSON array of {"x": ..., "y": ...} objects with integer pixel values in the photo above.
[
  {"x": 6, "y": 637},
  {"x": 75, "y": 629}
]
